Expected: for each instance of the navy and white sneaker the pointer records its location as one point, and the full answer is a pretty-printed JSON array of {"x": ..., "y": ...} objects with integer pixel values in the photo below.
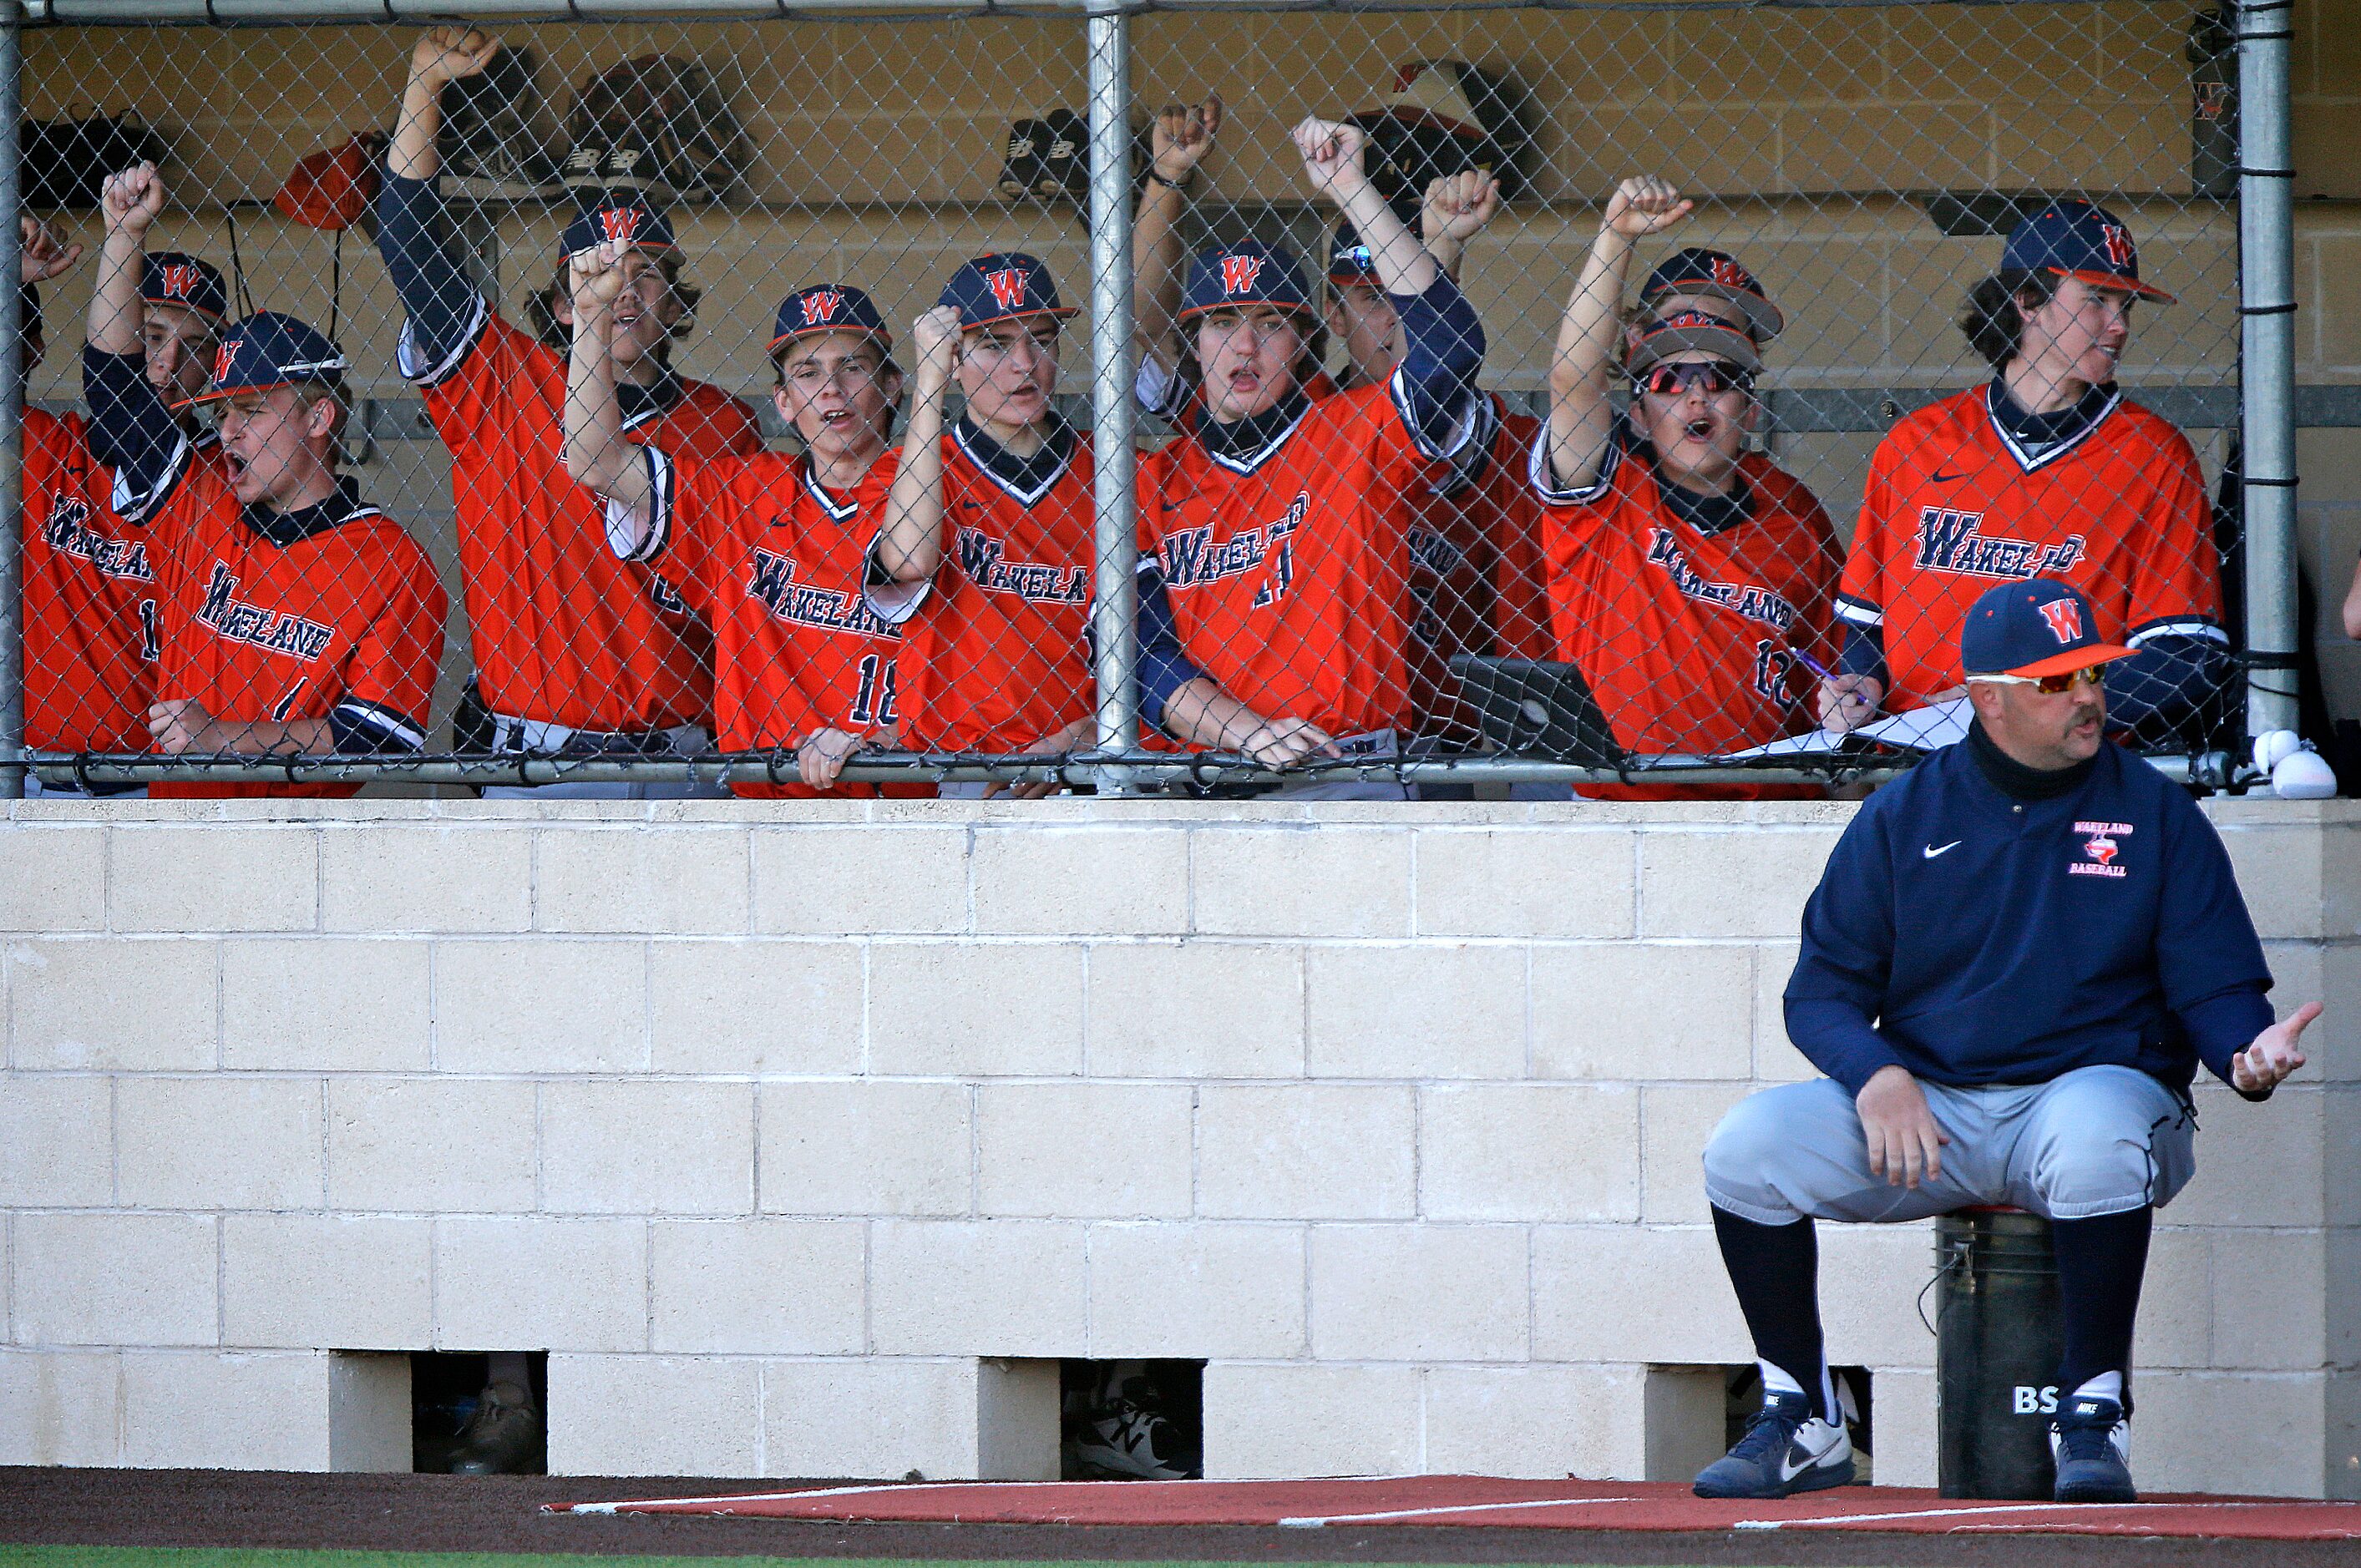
[
  {"x": 1131, "y": 1438},
  {"x": 2092, "y": 1441},
  {"x": 1787, "y": 1449}
]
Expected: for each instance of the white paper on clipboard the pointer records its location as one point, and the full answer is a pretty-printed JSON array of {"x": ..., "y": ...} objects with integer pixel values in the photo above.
[{"x": 1928, "y": 728}]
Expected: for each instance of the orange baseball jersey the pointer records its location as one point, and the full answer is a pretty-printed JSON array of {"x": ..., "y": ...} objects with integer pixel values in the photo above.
[
  {"x": 562, "y": 631},
  {"x": 90, "y": 617},
  {"x": 998, "y": 658},
  {"x": 1955, "y": 504},
  {"x": 1288, "y": 570},
  {"x": 780, "y": 567},
  {"x": 333, "y": 614},
  {"x": 1688, "y": 639}
]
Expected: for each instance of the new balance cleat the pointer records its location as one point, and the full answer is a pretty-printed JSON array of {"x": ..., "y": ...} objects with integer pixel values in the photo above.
[
  {"x": 1787, "y": 1449},
  {"x": 2092, "y": 1441}
]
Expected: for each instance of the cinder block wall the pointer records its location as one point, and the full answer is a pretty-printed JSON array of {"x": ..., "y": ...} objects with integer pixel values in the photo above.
[{"x": 805, "y": 1145}]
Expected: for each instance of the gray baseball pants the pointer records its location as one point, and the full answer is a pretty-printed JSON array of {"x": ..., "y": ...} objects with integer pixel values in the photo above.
[{"x": 2100, "y": 1140}]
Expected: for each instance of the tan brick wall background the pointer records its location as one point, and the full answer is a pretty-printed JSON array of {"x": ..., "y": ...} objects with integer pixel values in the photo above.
[{"x": 1394, "y": 1118}]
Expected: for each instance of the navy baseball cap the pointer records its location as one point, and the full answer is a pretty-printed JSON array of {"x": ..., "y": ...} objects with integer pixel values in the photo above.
[
  {"x": 1348, "y": 258},
  {"x": 828, "y": 307},
  {"x": 1664, "y": 336},
  {"x": 2076, "y": 238},
  {"x": 1714, "y": 274},
  {"x": 1004, "y": 286},
  {"x": 266, "y": 351},
  {"x": 2038, "y": 627},
  {"x": 1247, "y": 273},
  {"x": 173, "y": 278},
  {"x": 620, "y": 217}
]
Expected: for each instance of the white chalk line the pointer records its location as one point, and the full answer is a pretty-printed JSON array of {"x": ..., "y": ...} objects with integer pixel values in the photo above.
[{"x": 1317, "y": 1521}]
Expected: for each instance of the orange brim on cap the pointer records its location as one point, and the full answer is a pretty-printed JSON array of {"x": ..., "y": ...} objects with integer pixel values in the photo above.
[
  {"x": 2072, "y": 659},
  {"x": 2115, "y": 280}
]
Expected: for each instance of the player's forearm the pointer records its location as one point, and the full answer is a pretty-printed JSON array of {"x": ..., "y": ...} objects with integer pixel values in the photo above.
[
  {"x": 910, "y": 546},
  {"x": 116, "y": 309},
  {"x": 597, "y": 455},
  {"x": 413, "y": 154},
  {"x": 263, "y": 738},
  {"x": 1403, "y": 266},
  {"x": 1202, "y": 714},
  {"x": 1156, "y": 266}
]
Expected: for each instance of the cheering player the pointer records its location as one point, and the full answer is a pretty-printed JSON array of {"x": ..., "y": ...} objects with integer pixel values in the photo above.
[
  {"x": 1689, "y": 579},
  {"x": 295, "y": 619},
  {"x": 776, "y": 550},
  {"x": 997, "y": 516},
  {"x": 1277, "y": 528},
  {"x": 2049, "y": 471},
  {"x": 577, "y": 652}
]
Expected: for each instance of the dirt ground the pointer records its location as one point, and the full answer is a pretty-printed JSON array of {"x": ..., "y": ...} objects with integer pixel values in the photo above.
[{"x": 207, "y": 1508}]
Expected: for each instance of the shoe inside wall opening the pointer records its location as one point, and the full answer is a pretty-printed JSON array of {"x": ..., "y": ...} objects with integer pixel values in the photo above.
[
  {"x": 479, "y": 1412},
  {"x": 1131, "y": 1420},
  {"x": 1744, "y": 1386}
]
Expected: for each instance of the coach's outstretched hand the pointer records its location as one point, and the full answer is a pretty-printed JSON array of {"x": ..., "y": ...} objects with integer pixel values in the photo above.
[
  {"x": 1906, "y": 1144},
  {"x": 2274, "y": 1056}
]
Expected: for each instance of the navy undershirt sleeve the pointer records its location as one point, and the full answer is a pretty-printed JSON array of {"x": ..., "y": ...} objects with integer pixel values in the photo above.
[
  {"x": 1163, "y": 667},
  {"x": 435, "y": 292},
  {"x": 1442, "y": 349},
  {"x": 1863, "y": 653},
  {"x": 131, "y": 430}
]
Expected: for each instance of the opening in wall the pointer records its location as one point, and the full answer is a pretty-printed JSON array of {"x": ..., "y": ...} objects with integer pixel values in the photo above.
[
  {"x": 1132, "y": 1421},
  {"x": 1696, "y": 1413},
  {"x": 479, "y": 1412}
]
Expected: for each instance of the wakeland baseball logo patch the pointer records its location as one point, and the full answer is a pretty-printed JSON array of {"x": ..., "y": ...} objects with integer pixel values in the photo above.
[
  {"x": 620, "y": 225},
  {"x": 2102, "y": 843},
  {"x": 223, "y": 355},
  {"x": 1240, "y": 272},
  {"x": 2065, "y": 619},
  {"x": 820, "y": 306},
  {"x": 180, "y": 280},
  {"x": 1007, "y": 287}
]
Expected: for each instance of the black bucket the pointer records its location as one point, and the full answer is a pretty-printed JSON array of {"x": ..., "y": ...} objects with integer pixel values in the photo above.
[{"x": 1999, "y": 1336}]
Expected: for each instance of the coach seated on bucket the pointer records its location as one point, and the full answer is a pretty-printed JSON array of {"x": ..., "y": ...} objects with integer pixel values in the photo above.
[{"x": 2013, "y": 965}]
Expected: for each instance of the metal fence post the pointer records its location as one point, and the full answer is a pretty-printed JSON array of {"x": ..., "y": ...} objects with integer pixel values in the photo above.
[
  {"x": 11, "y": 421},
  {"x": 1116, "y": 594},
  {"x": 2267, "y": 304}
]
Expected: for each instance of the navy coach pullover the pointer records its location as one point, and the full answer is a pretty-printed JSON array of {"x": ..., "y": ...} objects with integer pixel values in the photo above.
[{"x": 1972, "y": 935}]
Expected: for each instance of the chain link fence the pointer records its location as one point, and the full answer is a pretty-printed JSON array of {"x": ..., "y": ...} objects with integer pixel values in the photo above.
[{"x": 1628, "y": 396}]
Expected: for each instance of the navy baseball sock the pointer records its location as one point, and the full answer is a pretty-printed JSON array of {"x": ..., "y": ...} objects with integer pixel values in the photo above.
[
  {"x": 1776, "y": 1269},
  {"x": 2100, "y": 1263}
]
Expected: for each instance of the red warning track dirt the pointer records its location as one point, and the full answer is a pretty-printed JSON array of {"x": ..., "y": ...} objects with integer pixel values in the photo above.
[
  {"x": 449, "y": 1513},
  {"x": 1477, "y": 1501}
]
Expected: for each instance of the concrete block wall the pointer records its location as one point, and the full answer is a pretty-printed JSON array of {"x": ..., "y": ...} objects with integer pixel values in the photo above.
[{"x": 806, "y": 1144}]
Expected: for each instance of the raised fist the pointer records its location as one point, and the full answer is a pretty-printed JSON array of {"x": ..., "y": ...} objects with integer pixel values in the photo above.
[
  {"x": 1457, "y": 206},
  {"x": 132, "y": 200},
  {"x": 596, "y": 278},
  {"x": 935, "y": 340},
  {"x": 1181, "y": 137},
  {"x": 1645, "y": 205},
  {"x": 447, "y": 54},
  {"x": 1331, "y": 156}
]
